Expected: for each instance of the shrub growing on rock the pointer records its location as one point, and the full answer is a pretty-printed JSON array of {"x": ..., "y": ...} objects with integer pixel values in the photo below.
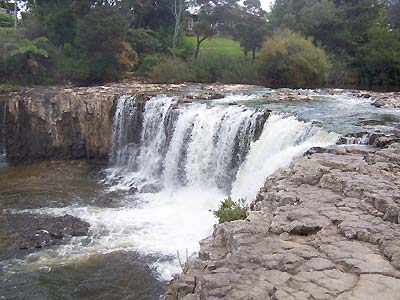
[
  {"x": 288, "y": 59},
  {"x": 230, "y": 210}
]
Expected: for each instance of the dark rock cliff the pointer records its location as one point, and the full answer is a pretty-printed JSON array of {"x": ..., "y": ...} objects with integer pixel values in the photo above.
[
  {"x": 67, "y": 124},
  {"x": 59, "y": 122}
]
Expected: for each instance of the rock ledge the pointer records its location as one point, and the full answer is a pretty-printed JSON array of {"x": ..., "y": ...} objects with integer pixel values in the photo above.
[{"x": 325, "y": 228}]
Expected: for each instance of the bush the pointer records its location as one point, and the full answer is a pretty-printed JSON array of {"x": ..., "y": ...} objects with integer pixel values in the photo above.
[
  {"x": 288, "y": 59},
  {"x": 206, "y": 69},
  {"x": 6, "y": 20},
  {"x": 98, "y": 53},
  {"x": 230, "y": 210},
  {"x": 240, "y": 72},
  {"x": 143, "y": 41},
  {"x": 170, "y": 71}
]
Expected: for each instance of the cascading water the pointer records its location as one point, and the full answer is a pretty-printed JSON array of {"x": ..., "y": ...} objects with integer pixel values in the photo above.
[
  {"x": 177, "y": 161},
  {"x": 3, "y": 114},
  {"x": 182, "y": 145}
]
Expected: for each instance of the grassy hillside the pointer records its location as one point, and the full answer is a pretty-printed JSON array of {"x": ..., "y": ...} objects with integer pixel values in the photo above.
[{"x": 218, "y": 46}]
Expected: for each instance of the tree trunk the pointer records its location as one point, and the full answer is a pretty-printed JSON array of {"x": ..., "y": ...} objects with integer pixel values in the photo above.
[
  {"x": 196, "y": 55},
  {"x": 254, "y": 55},
  {"x": 245, "y": 54},
  {"x": 177, "y": 12}
]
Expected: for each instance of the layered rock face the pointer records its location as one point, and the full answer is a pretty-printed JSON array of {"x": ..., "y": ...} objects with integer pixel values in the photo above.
[
  {"x": 325, "y": 228},
  {"x": 66, "y": 122}
]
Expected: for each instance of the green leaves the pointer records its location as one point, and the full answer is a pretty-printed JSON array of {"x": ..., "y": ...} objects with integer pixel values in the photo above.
[
  {"x": 230, "y": 210},
  {"x": 288, "y": 59},
  {"x": 31, "y": 48}
]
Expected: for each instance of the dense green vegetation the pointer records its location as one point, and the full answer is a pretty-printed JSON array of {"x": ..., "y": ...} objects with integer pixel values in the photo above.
[
  {"x": 289, "y": 59},
  {"x": 300, "y": 43}
]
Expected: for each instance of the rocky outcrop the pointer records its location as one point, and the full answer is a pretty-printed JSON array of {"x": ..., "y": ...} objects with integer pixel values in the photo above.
[
  {"x": 388, "y": 100},
  {"x": 32, "y": 232},
  {"x": 325, "y": 228}
]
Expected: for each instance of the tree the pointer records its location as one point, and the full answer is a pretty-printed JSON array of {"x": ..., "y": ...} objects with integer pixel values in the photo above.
[
  {"x": 94, "y": 55},
  {"x": 378, "y": 60},
  {"x": 26, "y": 56},
  {"x": 203, "y": 31},
  {"x": 251, "y": 33},
  {"x": 177, "y": 10}
]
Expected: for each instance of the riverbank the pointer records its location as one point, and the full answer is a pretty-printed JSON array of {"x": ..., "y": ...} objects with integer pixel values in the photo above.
[{"x": 327, "y": 227}]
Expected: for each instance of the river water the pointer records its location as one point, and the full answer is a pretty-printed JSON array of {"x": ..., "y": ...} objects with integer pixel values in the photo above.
[{"x": 169, "y": 166}]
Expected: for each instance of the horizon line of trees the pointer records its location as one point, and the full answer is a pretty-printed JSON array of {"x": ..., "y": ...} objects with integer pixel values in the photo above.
[{"x": 298, "y": 43}]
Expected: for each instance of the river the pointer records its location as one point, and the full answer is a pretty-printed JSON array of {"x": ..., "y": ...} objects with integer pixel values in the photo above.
[{"x": 168, "y": 168}]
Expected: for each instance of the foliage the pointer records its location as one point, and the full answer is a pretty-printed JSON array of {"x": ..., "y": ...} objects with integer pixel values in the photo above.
[
  {"x": 144, "y": 41},
  {"x": 6, "y": 20},
  {"x": 349, "y": 31},
  {"x": 379, "y": 59},
  {"x": 289, "y": 59},
  {"x": 27, "y": 58},
  {"x": 93, "y": 41},
  {"x": 170, "y": 71},
  {"x": 98, "y": 47},
  {"x": 230, "y": 210},
  {"x": 148, "y": 63},
  {"x": 206, "y": 69}
]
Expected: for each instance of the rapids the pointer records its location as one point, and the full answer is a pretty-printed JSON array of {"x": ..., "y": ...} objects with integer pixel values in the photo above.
[{"x": 172, "y": 162}]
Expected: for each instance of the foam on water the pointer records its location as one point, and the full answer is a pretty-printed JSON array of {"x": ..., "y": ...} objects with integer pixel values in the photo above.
[{"x": 181, "y": 160}]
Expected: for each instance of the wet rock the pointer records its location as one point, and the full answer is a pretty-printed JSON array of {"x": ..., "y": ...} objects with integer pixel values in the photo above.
[
  {"x": 32, "y": 232},
  {"x": 151, "y": 188},
  {"x": 391, "y": 101},
  {"x": 379, "y": 139},
  {"x": 205, "y": 95},
  {"x": 325, "y": 228}
]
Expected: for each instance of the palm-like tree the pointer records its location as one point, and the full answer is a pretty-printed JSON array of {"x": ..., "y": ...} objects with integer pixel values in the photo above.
[{"x": 29, "y": 52}]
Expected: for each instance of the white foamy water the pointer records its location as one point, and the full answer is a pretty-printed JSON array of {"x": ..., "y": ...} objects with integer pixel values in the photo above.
[
  {"x": 282, "y": 139},
  {"x": 181, "y": 160}
]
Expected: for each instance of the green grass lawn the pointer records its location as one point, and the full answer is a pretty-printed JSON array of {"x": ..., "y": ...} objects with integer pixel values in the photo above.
[{"x": 218, "y": 46}]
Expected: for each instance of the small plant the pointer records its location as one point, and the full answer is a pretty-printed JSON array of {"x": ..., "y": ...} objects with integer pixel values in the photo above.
[
  {"x": 230, "y": 210},
  {"x": 184, "y": 266}
]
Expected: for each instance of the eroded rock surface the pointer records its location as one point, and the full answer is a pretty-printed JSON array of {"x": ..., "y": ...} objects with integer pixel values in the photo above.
[{"x": 325, "y": 228}]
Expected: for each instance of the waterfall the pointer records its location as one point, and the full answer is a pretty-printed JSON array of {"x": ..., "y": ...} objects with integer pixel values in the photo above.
[
  {"x": 178, "y": 161},
  {"x": 3, "y": 114},
  {"x": 181, "y": 144},
  {"x": 167, "y": 145}
]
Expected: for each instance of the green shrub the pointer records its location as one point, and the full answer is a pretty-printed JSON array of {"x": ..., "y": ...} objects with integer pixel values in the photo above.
[
  {"x": 209, "y": 68},
  {"x": 6, "y": 20},
  {"x": 143, "y": 41},
  {"x": 230, "y": 210},
  {"x": 170, "y": 71},
  {"x": 185, "y": 48},
  {"x": 288, "y": 59},
  {"x": 205, "y": 69},
  {"x": 147, "y": 64},
  {"x": 240, "y": 72}
]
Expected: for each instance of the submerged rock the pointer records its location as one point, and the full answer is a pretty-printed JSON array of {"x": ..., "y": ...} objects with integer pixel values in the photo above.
[{"x": 327, "y": 227}]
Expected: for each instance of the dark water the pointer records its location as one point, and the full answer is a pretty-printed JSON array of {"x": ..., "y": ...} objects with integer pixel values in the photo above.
[{"x": 56, "y": 184}]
